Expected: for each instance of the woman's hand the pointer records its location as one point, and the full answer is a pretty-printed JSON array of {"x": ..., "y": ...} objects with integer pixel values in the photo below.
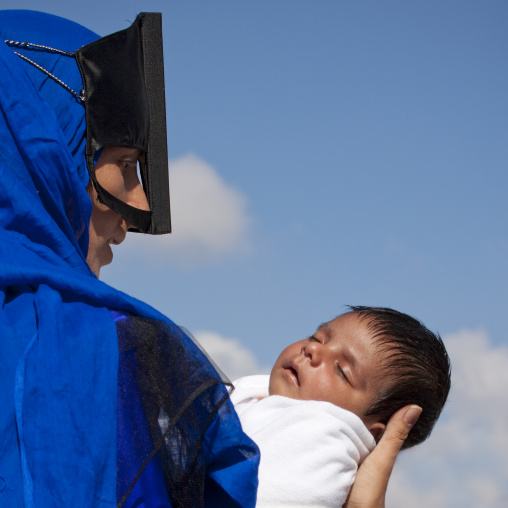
[{"x": 369, "y": 489}]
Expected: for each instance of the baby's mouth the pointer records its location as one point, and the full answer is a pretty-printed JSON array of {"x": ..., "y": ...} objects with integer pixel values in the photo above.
[{"x": 293, "y": 373}]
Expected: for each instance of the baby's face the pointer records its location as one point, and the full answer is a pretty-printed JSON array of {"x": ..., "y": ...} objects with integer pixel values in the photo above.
[{"x": 340, "y": 364}]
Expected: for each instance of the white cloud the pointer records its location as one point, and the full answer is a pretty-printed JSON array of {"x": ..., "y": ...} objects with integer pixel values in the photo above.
[
  {"x": 208, "y": 216},
  {"x": 463, "y": 464},
  {"x": 233, "y": 358}
]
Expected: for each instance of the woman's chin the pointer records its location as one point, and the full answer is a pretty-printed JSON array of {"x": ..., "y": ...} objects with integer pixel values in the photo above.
[
  {"x": 96, "y": 260},
  {"x": 106, "y": 256}
]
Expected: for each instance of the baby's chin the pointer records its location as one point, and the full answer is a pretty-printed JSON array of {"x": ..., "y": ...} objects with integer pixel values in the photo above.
[
  {"x": 283, "y": 385},
  {"x": 274, "y": 387}
]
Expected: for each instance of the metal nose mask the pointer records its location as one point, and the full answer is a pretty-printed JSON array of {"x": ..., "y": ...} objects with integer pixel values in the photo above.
[{"x": 123, "y": 80}]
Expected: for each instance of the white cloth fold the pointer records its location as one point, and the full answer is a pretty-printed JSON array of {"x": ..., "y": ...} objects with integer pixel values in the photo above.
[{"x": 310, "y": 450}]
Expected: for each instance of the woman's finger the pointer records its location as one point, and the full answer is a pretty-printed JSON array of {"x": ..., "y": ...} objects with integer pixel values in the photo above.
[
  {"x": 369, "y": 488},
  {"x": 396, "y": 432}
]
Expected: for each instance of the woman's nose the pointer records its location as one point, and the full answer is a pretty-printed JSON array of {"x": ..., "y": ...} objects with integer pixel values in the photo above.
[{"x": 136, "y": 197}]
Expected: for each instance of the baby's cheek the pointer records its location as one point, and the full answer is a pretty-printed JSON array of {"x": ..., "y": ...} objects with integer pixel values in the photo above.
[{"x": 272, "y": 384}]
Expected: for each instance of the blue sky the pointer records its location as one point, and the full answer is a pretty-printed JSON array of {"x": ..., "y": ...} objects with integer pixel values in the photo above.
[{"x": 331, "y": 153}]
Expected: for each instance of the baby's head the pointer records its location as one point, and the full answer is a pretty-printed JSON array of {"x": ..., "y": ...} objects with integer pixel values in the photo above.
[{"x": 370, "y": 361}]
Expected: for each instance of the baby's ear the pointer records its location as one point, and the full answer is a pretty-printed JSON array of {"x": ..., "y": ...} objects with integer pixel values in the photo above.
[{"x": 377, "y": 429}]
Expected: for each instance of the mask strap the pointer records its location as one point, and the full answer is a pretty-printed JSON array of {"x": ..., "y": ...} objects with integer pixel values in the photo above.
[
  {"x": 137, "y": 218},
  {"x": 29, "y": 45}
]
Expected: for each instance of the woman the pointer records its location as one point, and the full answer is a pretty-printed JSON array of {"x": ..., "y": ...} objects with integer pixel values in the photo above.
[
  {"x": 87, "y": 370},
  {"x": 103, "y": 400}
]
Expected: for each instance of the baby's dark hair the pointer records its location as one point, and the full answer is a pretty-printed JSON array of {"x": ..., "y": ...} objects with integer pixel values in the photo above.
[{"x": 418, "y": 366}]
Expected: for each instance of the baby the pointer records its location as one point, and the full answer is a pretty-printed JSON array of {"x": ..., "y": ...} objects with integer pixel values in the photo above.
[{"x": 328, "y": 399}]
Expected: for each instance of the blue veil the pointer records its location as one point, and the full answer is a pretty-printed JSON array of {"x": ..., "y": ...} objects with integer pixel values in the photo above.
[{"x": 59, "y": 337}]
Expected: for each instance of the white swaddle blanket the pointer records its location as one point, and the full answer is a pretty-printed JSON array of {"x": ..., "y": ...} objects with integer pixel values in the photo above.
[{"x": 310, "y": 451}]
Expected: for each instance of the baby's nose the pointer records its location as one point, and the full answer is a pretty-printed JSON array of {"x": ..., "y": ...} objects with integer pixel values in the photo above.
[{"x": 313, "y": 353}]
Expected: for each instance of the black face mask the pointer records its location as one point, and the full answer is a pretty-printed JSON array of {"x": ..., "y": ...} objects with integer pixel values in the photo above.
[{"x": 123, "y": 81}]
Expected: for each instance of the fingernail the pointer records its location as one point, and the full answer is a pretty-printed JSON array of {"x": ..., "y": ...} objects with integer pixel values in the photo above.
[{"x": 412, "y": 415}]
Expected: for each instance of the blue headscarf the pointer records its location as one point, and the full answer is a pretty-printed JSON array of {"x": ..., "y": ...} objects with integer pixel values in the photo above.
[{"x": 59, "y": 349}]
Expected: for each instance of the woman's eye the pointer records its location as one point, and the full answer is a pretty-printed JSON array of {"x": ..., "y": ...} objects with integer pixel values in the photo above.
[
  {"x": 313, "y": 339},
  {"x": 127, "y": 163}
]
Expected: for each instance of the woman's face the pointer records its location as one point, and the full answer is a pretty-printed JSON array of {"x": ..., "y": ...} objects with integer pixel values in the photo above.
[{"x": 116, "y": 171}]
